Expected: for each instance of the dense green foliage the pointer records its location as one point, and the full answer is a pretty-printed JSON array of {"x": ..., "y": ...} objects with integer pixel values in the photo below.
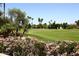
[{"x": 17, "y": 21}]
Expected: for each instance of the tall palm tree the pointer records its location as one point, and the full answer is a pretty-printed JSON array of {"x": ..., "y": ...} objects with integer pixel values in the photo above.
[
  {"x": 31, "y": 19},
  {"x": 40, "y": 20},
  {"x": 4, "y": 10}
]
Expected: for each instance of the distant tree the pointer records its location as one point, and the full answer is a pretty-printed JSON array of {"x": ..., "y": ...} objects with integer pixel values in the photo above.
[
  {"x": 31, "y": 19},
  {"x": 77, "y": 23},
  {"x": 40, "y": 20},
  {"x": 53, "y": 25},
  {"x": 58, "y": 26},
  {"x": 45, "y": 25},
  {"x": 49, "y": 26},
  {"x": 39, "y": 26},
  {"x": 35, "y": 26},
  {"x": 71, "y": 26},
  {"x": 64, "y": 25}
]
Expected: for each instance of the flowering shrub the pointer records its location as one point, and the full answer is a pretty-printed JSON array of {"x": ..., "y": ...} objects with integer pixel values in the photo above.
[{"x": 26, "y": 46}]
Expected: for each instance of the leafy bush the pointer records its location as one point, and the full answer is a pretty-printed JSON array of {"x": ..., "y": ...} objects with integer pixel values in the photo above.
[
  {"x": 70, "y": 48},
  {"x": 62, "y": 48},
  {"x": 6, "y": 29},
  {"x": 40, "y": 48},
  {"x": 23, "y": 47}
]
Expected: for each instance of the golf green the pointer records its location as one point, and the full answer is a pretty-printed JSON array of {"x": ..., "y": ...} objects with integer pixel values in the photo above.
[{"x": 55, "y": 34}]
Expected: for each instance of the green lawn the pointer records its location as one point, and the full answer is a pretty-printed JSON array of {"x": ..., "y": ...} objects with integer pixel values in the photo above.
[{"x": 53, "y": 34}]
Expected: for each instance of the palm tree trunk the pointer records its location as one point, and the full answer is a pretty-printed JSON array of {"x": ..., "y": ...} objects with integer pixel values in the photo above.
[{"x": 4, "y": 10}]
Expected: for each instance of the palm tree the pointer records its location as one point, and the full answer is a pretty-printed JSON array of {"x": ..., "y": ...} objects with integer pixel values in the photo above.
[
  {"x": 31, "y": 19},
  {"x": 40, "y": 20},
  {"x": 4, "y": 10}
]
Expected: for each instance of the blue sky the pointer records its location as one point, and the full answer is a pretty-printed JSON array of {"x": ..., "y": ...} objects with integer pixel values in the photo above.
[{"x": 49, "y": 11}]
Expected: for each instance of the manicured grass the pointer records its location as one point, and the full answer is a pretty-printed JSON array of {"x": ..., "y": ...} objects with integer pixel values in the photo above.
[{"x": 53, "y": 34}]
